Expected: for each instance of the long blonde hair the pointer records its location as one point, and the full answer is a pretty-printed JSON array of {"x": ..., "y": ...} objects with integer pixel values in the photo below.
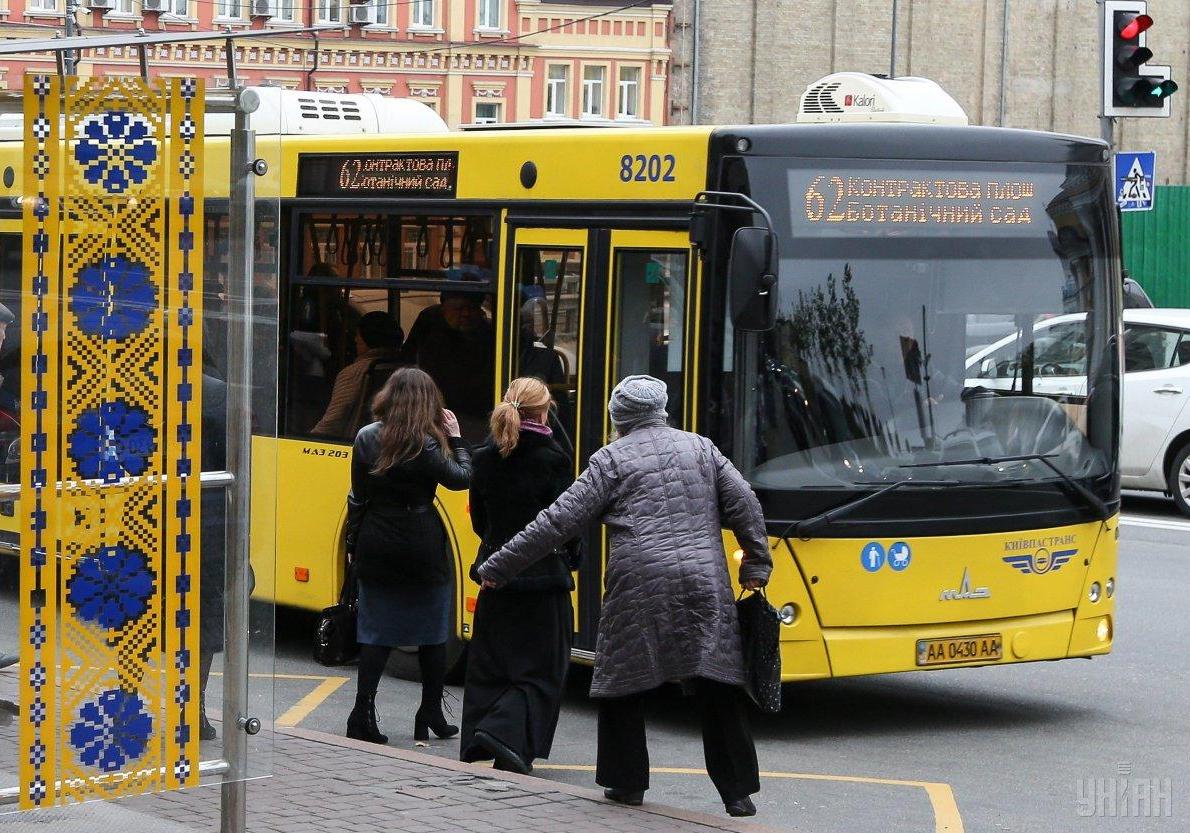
[
  {"x": 525, "y": 395},
  {"x": 409, "y": 406}
]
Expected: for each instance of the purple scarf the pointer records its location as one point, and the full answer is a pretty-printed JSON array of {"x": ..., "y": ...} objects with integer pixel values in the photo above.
[{"x": 536, "y": 428}]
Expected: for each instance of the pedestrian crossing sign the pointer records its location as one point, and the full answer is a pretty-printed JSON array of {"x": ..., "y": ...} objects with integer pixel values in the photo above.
[{"x": 1134, "y": 180}]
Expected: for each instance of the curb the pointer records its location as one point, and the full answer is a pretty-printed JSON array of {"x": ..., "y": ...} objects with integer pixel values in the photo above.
[{"x": 536, "y": 784}]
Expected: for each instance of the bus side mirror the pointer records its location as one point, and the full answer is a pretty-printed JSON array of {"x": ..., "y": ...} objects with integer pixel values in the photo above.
[{"x": 752, "y": 278}]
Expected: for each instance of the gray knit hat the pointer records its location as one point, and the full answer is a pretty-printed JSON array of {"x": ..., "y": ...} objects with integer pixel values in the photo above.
[{"x": 636, "y": 399}]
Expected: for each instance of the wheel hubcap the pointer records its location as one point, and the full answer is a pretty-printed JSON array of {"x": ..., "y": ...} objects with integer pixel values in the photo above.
[{"x": 1184, "y": 480}]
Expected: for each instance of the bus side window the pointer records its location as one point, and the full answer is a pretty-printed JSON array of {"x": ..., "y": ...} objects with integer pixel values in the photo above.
[{"x": 343, "y": 343}]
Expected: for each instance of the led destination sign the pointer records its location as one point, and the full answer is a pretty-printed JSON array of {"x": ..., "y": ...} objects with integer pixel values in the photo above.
[
  {"x": 859, "y": 199},
  {"x": 410, "y": 174},
  {"x": 915, "y": 202}
]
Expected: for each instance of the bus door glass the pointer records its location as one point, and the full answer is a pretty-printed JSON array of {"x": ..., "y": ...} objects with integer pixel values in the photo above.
[
  {"x": 546, "y": 311},
  {"x": 649, "y": 308},
  {"x": 544, "y": 338}
]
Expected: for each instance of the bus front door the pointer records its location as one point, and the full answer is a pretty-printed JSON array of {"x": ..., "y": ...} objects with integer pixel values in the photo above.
[{"x": 544, "y": 337}]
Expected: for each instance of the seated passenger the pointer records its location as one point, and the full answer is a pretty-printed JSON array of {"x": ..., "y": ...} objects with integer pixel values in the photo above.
[
  {"x": 538, "y": 360},
  {"x": 455, "y": 343},
  {"x": 377, "y": 339}
]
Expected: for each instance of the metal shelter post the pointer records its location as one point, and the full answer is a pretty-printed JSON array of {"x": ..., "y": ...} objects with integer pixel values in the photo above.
[{"x": 237, "y": 723}]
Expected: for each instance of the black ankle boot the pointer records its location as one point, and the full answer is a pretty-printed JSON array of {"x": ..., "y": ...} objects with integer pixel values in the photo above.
[
  {"x": 431, "y": 717},
  {"x": 205, "y": 730},
  {"x": 362, "y": 724}
]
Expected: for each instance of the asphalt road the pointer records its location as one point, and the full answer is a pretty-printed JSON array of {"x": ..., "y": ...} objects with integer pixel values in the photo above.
[
  {"x": 1027, "y": 748},
  {"x": 1039, "y": 748}
]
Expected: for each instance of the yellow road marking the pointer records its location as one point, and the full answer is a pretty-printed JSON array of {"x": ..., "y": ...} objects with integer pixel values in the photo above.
[
  {"x": 946, "y": 811},
  {"x": 300, "y": 710}
]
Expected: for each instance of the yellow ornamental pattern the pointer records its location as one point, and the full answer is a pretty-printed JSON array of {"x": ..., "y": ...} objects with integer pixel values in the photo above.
[{"x": 110, "y": 460}]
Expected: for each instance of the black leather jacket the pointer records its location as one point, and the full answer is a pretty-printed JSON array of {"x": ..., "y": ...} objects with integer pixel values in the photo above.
[{"x": 391, "y": 527}]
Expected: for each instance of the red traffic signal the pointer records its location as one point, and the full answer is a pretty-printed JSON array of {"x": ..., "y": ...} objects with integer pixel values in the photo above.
[{"x": 1136, "y": 25}]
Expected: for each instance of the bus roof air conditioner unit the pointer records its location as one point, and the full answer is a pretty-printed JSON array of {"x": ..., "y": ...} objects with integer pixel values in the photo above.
[{"x": 855, "y": 97}]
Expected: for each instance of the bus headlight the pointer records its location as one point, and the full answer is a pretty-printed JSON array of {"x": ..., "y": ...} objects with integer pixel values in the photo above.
[
  {"x": 788, "y": 614},
  {"x": 1094, "y": 592},
  {"x": 1110, "y": 587}
]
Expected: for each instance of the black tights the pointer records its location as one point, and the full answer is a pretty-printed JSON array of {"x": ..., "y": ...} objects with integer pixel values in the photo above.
[{"x": 431, "y": 659}]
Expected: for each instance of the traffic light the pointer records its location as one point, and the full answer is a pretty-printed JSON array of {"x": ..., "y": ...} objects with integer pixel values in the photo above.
[{"x": 1131, "y": 86}]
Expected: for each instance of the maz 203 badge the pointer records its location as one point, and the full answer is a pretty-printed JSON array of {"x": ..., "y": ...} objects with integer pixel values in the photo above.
[{"x": 1040, "y": 562}]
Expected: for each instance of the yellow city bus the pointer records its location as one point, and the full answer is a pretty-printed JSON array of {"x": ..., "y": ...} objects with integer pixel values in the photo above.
[{"x": 810, "y": 294}]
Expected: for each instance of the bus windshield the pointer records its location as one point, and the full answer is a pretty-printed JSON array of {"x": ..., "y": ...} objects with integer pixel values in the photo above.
[{"x": 929, "y": 313}]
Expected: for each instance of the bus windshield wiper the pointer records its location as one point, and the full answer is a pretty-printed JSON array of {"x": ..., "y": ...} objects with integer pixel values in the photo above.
[
  {"x": 1090, "y": 498},
  {"x": 805, "y": 528}
]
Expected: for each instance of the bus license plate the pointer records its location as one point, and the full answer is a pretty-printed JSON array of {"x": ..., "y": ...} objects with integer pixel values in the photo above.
[{"x": 981, "y": 648}]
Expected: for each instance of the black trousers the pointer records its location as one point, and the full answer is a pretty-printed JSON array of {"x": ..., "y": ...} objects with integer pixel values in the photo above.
[{"x": 623, "y": 757}]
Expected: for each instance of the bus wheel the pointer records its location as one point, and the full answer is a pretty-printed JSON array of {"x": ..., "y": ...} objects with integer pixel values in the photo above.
[{"x": 1179, "y": 479}]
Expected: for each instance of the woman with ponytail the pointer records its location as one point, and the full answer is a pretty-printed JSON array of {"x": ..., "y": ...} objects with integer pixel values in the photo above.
[
  {"x": 398, "y": 545},
  {"x": 520, "y": 650}
]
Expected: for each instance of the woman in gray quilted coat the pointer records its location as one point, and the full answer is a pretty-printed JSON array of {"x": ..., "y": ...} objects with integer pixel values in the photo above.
[{"x": 668, "y": 606}]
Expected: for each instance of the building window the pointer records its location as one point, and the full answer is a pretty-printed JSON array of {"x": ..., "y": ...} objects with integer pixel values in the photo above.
[
  {"x": 489, "y": 14},
  {"x": 487, "y": 112},
  {"x": 283, "y": 10},
  {"x": 422, "y": 14},
  {"x": 629, "y": 105},
  {"x": 124, "y": 7},
  {"x": 329, "y": 11},
  {"x": 380, "y": 12},
  {"x": 228, "y": 8},
  {"x": 42, "y": 5},
  {"x": 593, "y": 90},
  {"x": 555, "y": 90}
]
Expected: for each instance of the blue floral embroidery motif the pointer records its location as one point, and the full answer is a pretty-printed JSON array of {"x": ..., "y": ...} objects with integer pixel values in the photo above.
[
  {"x": 116, "y": 150},
  {"x": 113, "y": 299},
  {"x": 111, "y": 586},
  {"x": 111, "y": 730},
  {"x": 112, "y": 441}
]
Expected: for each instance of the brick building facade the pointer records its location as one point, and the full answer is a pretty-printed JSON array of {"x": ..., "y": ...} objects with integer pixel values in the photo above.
[
  {"x": 1037, "y": 69},
  {"x": 471, "y": 60}
]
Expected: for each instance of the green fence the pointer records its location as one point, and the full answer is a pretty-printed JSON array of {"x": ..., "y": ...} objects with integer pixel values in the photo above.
[{"x": 1157, "y": 246}]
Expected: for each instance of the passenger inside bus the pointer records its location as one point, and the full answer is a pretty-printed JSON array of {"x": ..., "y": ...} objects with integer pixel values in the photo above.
[
  {"x": 378, "y": 342},
  {"x": 454, "y": 342}
]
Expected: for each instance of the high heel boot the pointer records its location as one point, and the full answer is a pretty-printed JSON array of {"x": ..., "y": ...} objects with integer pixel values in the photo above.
[
  {"x": 362, "y": 724},
  {"x": 432, "y": 660}
]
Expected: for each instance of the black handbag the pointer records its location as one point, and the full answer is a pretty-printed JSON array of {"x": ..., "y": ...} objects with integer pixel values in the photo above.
[
  {"x": 760, "y": 637},
  {"x": 335, "y": 639}
]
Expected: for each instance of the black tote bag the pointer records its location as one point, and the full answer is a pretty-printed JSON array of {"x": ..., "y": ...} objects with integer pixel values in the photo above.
[
  {"x": 760, "y": 635},
  {"x": 335, "y": 640}
]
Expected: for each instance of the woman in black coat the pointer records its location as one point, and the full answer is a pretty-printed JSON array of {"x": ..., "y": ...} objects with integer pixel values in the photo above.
[
  {"x": 517, "y": 660},
  {"x": 398, "y": 545}
]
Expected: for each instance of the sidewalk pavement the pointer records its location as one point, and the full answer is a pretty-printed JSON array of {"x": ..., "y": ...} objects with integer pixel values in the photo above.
[{"x": 328, "y": 784}]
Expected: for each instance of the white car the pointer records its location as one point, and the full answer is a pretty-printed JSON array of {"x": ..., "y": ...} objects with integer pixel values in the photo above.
[{"x": 1155, "y": 449}]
